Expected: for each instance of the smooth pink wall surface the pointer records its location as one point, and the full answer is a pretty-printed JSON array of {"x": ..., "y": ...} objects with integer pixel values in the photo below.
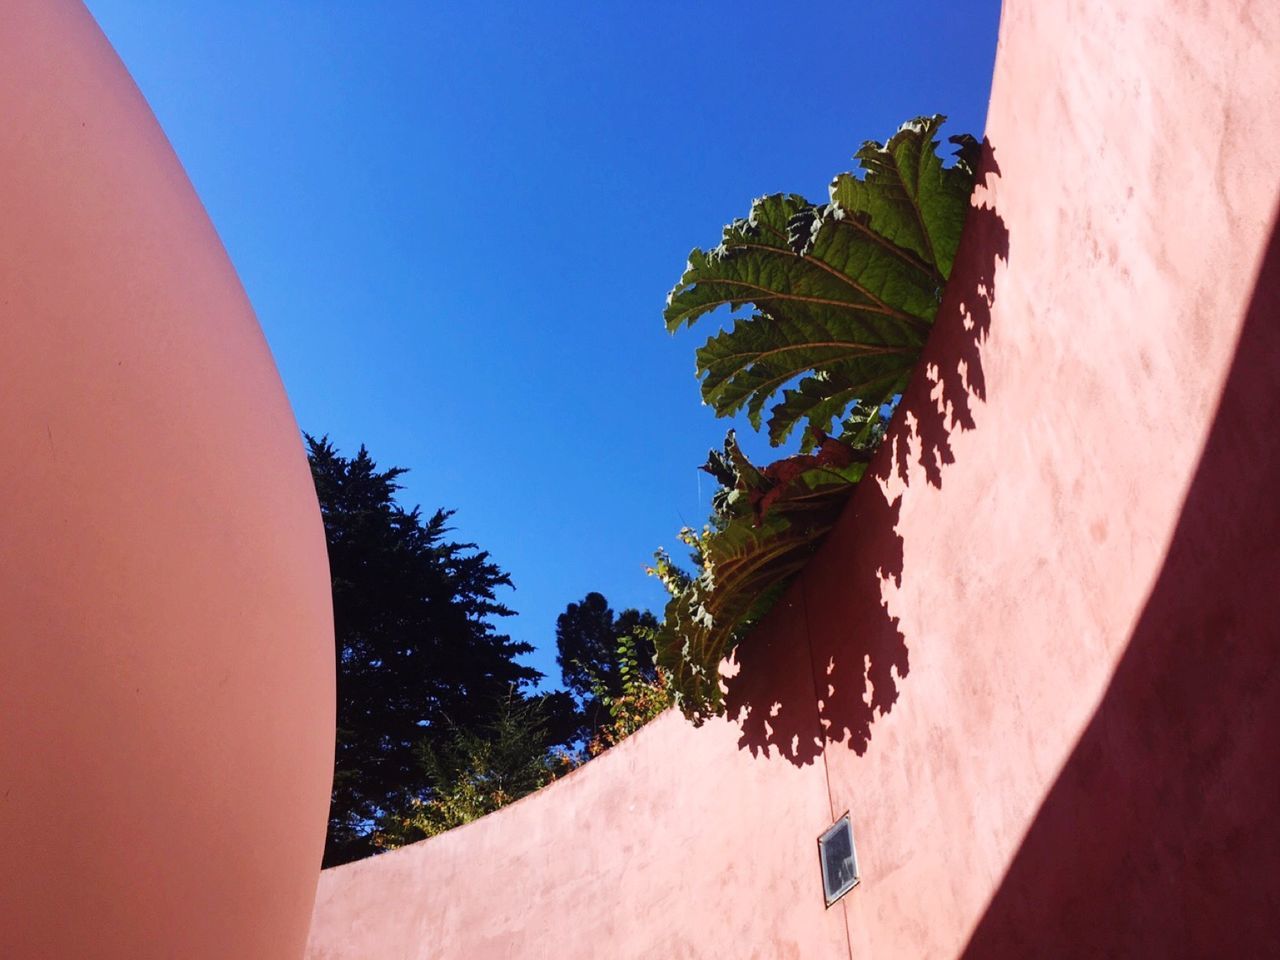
[
  {"x": 166, "y": 644},
  {"x": 1042, "y": 644}
]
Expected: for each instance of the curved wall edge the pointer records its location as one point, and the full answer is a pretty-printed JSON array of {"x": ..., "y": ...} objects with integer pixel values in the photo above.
[
  {"x": 1035, "y": 660},
  {"x": 167, "y": 714}
]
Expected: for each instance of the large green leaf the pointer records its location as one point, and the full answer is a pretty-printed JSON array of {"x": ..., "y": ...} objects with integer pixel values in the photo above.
[
  {"x": 843, "y": 296},
  {"x": 907, "y": 196},
  {"x": 844, "y": 293},
  {"x": 748, "y": 364}
]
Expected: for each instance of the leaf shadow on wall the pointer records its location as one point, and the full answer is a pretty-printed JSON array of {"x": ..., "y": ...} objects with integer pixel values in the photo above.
[{"x": 832, "y": 641}]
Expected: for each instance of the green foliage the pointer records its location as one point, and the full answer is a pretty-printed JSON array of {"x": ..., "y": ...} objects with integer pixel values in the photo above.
[
  {"x": 475, "y": 771},
  {"x": 842, "y": 296},
  {"x": 417, "y": 653},
  {"x": 588, "y": 643},
  {"x": 844, "y": 293},
  {"x": 642, "y": 692}
]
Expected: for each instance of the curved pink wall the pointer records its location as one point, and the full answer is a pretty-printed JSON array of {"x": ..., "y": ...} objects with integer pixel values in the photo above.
[
  {"x": 1037, "y": 661},
  {"x": 166, "y": 667}
]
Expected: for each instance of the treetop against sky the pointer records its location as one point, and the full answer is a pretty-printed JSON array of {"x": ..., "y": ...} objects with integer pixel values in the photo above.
[{"x": 458, "y": 224}]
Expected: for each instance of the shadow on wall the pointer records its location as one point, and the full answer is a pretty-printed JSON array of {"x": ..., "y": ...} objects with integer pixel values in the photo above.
[
  {"x": 857, "y": 652},
  {"x": 1159, "y": 837}
]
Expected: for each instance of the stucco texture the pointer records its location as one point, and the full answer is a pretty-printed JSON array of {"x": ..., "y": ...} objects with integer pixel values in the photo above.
[{"x": 1037, "y": 659}]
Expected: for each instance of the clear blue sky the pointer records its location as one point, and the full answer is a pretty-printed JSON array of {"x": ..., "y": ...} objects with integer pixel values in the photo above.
[{"x": 458, "y": 223}]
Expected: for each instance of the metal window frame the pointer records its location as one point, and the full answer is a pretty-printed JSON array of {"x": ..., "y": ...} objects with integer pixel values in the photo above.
[{"x": 843, "y": 822}]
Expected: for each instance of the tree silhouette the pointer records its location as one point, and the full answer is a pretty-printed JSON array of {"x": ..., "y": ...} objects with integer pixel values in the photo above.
[
  {"x": 587, "y": 644},
  {"x": 418, "y": 656}
]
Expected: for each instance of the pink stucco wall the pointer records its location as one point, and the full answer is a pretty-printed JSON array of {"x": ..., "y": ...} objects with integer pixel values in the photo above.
[{"x": 1037, "y": 660}]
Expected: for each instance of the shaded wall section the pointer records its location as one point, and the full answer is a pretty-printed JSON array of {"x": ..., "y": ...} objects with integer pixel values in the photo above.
[
  {"x": 1041, "y": 644},
  {"x": 1158, "y": 837}
]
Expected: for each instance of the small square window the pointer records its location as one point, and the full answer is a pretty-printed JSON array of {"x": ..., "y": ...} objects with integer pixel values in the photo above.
[{"x": 839, "y": 860}]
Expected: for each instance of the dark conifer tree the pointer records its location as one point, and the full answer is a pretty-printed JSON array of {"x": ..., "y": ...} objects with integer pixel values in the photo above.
[
  {"x": 418, "y": 655},
  {"x": 587, "y": 636}
]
